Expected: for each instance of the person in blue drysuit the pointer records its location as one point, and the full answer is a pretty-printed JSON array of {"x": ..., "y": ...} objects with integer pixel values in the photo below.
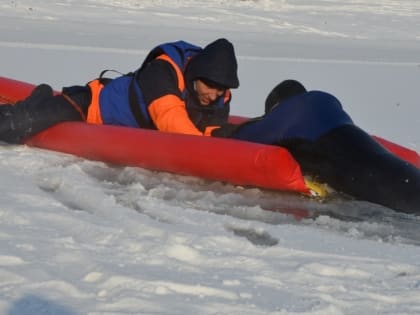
[{"x": 322, "y": 137}]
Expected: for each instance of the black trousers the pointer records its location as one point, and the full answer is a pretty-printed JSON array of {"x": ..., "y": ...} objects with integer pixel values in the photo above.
[
  {"x": 351, "y": 161},
  {"x": 42, "y": 110}
]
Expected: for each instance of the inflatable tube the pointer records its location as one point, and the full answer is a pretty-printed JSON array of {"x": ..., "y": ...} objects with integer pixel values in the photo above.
[
  {"x": 236, "y": 162},
  {"x": 233, "y": 161}
]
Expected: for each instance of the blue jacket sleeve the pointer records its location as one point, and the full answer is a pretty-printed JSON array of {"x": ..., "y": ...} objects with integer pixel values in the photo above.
[{"x": 307, "y": 116}]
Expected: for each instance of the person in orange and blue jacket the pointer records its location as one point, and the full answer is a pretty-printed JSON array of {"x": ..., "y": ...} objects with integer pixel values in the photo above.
[{"x": 179, "y": 88}]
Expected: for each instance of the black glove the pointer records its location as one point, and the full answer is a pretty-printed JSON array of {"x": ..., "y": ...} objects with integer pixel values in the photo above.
[{"x": 225, "y": 131}]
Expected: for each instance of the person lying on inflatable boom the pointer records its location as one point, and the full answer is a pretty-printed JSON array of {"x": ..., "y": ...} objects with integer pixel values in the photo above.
[
  {"x": 322, "y": 137},
  {"x": 179, "y": 88}
]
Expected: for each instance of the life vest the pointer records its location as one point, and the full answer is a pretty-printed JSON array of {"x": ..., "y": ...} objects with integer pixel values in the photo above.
[{"x": 121, "y": 102}]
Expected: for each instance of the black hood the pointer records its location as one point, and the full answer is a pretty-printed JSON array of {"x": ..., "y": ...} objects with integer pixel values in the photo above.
[
  {"x": 217, "y": 63},
  {"x": 282, "y": 91}
]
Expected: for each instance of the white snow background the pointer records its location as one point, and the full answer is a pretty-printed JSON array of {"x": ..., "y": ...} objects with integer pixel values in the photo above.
[{"x": 82, "y": 237}]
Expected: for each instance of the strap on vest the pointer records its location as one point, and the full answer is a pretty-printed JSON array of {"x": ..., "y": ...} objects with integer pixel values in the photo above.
[
  {"x": 75, "y": 106},
  {"x": 104, "y": 80}
]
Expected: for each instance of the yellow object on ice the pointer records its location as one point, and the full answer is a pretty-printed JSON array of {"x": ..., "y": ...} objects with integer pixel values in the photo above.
[{"x": 317, "y": 190}]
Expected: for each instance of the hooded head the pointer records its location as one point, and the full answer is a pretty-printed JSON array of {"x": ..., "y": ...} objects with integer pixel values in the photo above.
[
  {"x": 216, "y": 63},
  {"x": 282, "y": 91}
]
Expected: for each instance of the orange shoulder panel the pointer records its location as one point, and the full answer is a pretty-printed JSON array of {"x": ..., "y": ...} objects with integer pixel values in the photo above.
[
  {"x": 179, "y": 74},
  {"x": 169, "y": 114},
  {"x": 94, "y": 110}
]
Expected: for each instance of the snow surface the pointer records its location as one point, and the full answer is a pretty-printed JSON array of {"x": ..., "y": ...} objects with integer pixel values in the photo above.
[{"x": 82, "y": 237}]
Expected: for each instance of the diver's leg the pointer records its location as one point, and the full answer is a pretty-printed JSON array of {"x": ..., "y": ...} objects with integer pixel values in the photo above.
[{"x": 366, "y": 170}]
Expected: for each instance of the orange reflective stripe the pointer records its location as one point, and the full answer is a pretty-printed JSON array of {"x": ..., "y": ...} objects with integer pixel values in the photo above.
[
  {"x": 179, "y": 74},
  {"x": 94, "y": 110}
]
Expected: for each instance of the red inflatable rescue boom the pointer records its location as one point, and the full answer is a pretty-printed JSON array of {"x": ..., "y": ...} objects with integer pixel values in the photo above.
[{"x": 237, "y": 162}]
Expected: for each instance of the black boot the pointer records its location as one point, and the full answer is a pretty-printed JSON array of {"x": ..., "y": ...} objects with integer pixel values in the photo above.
[
  {"x": 16, "y": 120},
  {"x": 39, "y": 111},
  {"x": 40, "y": 93}
]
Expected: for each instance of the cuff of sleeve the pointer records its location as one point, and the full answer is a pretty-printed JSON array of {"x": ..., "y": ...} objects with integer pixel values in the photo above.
[{"x": 208, "y": 131}]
